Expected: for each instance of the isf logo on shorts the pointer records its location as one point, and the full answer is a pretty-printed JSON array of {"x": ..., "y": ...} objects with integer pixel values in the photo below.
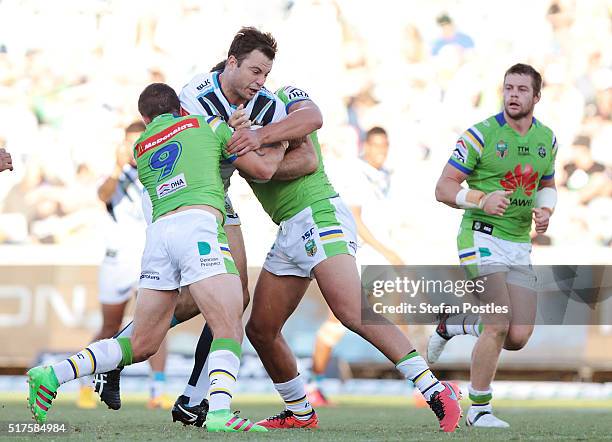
[{"x": 310, "y": 247}]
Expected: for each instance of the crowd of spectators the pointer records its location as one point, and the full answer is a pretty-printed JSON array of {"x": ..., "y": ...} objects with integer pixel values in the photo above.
[{"x": 424, "y": 70}]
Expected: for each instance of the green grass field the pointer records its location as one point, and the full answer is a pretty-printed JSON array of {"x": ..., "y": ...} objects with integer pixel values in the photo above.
[{"x": 353, "y": 419}]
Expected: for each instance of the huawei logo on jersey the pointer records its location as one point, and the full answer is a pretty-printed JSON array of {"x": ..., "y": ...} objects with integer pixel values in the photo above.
[{"x": 525, "y": 178}]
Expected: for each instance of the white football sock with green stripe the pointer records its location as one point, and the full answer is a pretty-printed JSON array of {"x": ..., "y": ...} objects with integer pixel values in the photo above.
[
  {"x": 481, "y": 399},
  {"x": 223, "y": 366},
  {"x": 294, "y": 395},
  {"x": 464, "y": 325},
  {"x": 98, "y": 357},
  {"x": 414, "y": 368}
]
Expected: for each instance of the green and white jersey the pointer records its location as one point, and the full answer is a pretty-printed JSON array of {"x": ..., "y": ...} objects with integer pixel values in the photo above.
[
  {"x": 496, "y": 157},
  {"x": 284, "y": 199},
  {"x": 178, "y": 161}
]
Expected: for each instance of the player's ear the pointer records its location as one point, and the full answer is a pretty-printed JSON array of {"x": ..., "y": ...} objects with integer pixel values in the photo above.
[
  {"x": 537, "y": 97},
  {"x": 231, "y": 63}
]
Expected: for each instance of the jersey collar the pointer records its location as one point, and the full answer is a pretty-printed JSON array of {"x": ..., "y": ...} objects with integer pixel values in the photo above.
[
  {"x": 164, "y": 117},
  {"x": 501, "y": 119},
  {"x": 217, "y": 82}
]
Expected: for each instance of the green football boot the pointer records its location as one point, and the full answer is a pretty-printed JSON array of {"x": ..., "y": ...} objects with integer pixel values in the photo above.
[
  {"x": 43, "y": 389},
  {"x": 224, "y": 420}
]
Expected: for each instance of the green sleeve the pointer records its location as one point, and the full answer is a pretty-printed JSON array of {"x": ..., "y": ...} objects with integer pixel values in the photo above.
[
  {"x": 550, "y": 170},
  {"x": 468, "y": 150},
  {"x": 223, "y": 132}
]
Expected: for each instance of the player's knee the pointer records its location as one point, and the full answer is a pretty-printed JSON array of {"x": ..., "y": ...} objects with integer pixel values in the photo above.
[
  {"x": 498, "y": 330},
  {"x": 143, "y": 348},
  {"x": 516, "y": 340},
  {"x": 258, "y": 335}
]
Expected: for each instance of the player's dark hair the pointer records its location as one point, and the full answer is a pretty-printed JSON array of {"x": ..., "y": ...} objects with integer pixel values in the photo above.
[
  {"x": 136, "y": 126},
  {"x": 525, "y": 69},
  {"x": 219, "y": 66},
  {"x": 376, "y": 130},
  {"x": 249, "y": 39},
  {"x": 157, "y": 99}
]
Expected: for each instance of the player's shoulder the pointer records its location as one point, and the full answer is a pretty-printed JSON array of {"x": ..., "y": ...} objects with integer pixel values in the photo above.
[
  {"x": 289, "y": 93},
  {"x": 200, "y": 83},
  {"x": 542, "y": 128}
]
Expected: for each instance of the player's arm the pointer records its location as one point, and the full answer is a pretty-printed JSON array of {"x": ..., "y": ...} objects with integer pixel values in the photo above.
[
  {"x": 450, "y": 192},
  {"x": 6, "y": 162},
  {"x": 546, "y": 197},
  {"x": 261, "y": 164},
  {"x": 368, "y": 237},
  {"x": 304, "y": 117},
  {"x": 109, "y": 185},
  {"x": 298, "y": 162},
  {"x": 463, "y": 161}
]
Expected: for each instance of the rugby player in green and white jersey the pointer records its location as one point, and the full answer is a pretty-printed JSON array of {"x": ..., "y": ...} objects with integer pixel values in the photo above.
[
  {"x": 234, "y": 91},
  {"x": 178, "y": 165},
  {"x": 508, "y": 161},
  {"x": 317, "y": 238}
]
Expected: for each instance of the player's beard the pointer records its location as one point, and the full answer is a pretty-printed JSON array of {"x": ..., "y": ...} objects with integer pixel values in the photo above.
[{"x": 520, "y": 114}]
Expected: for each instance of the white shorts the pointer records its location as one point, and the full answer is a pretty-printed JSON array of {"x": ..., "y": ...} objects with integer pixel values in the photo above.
[
  {"x": 118, "y": 275},
  {"x": 184, "y": 248},
  {"x": 318, "y": 232},
  {"x": 483, "y": 254},
  {"x": 231, "y": 218}
]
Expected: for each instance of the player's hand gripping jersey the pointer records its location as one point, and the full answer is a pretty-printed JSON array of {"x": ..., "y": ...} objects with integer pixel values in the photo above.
[
  {"x": 284, "y": 199},
  {"x": 496, "y": 157},
  {"x": 178, "y": 161},
  {"x": 203, "y": 96}
]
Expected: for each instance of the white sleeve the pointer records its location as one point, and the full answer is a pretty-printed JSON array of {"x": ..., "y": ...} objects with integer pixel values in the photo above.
[
  {"x": 189, "y": 94},
  {"x": 279, "y": 110}
]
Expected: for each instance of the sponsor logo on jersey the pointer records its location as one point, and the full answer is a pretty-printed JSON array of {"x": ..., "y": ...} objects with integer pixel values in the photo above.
[
  {"x": 165, "y": 135},
  {"x": 297, "y": 93},
  {"x": 172, "y": 185},
  {"x": 520, "y": 177},
  {"x": 541, "y": 151},
  {"x": 203, "y": 85},
  {"x": 460, "y": 151},
  {"x": 310, "y": 247},
  {"x": 523, "y": 150},
  {"x": 479, "y": 226},
  {"x": 150, "y": 275},
  {"x": 501, "y": 149},
  {"x": 520, "y": 202}
]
